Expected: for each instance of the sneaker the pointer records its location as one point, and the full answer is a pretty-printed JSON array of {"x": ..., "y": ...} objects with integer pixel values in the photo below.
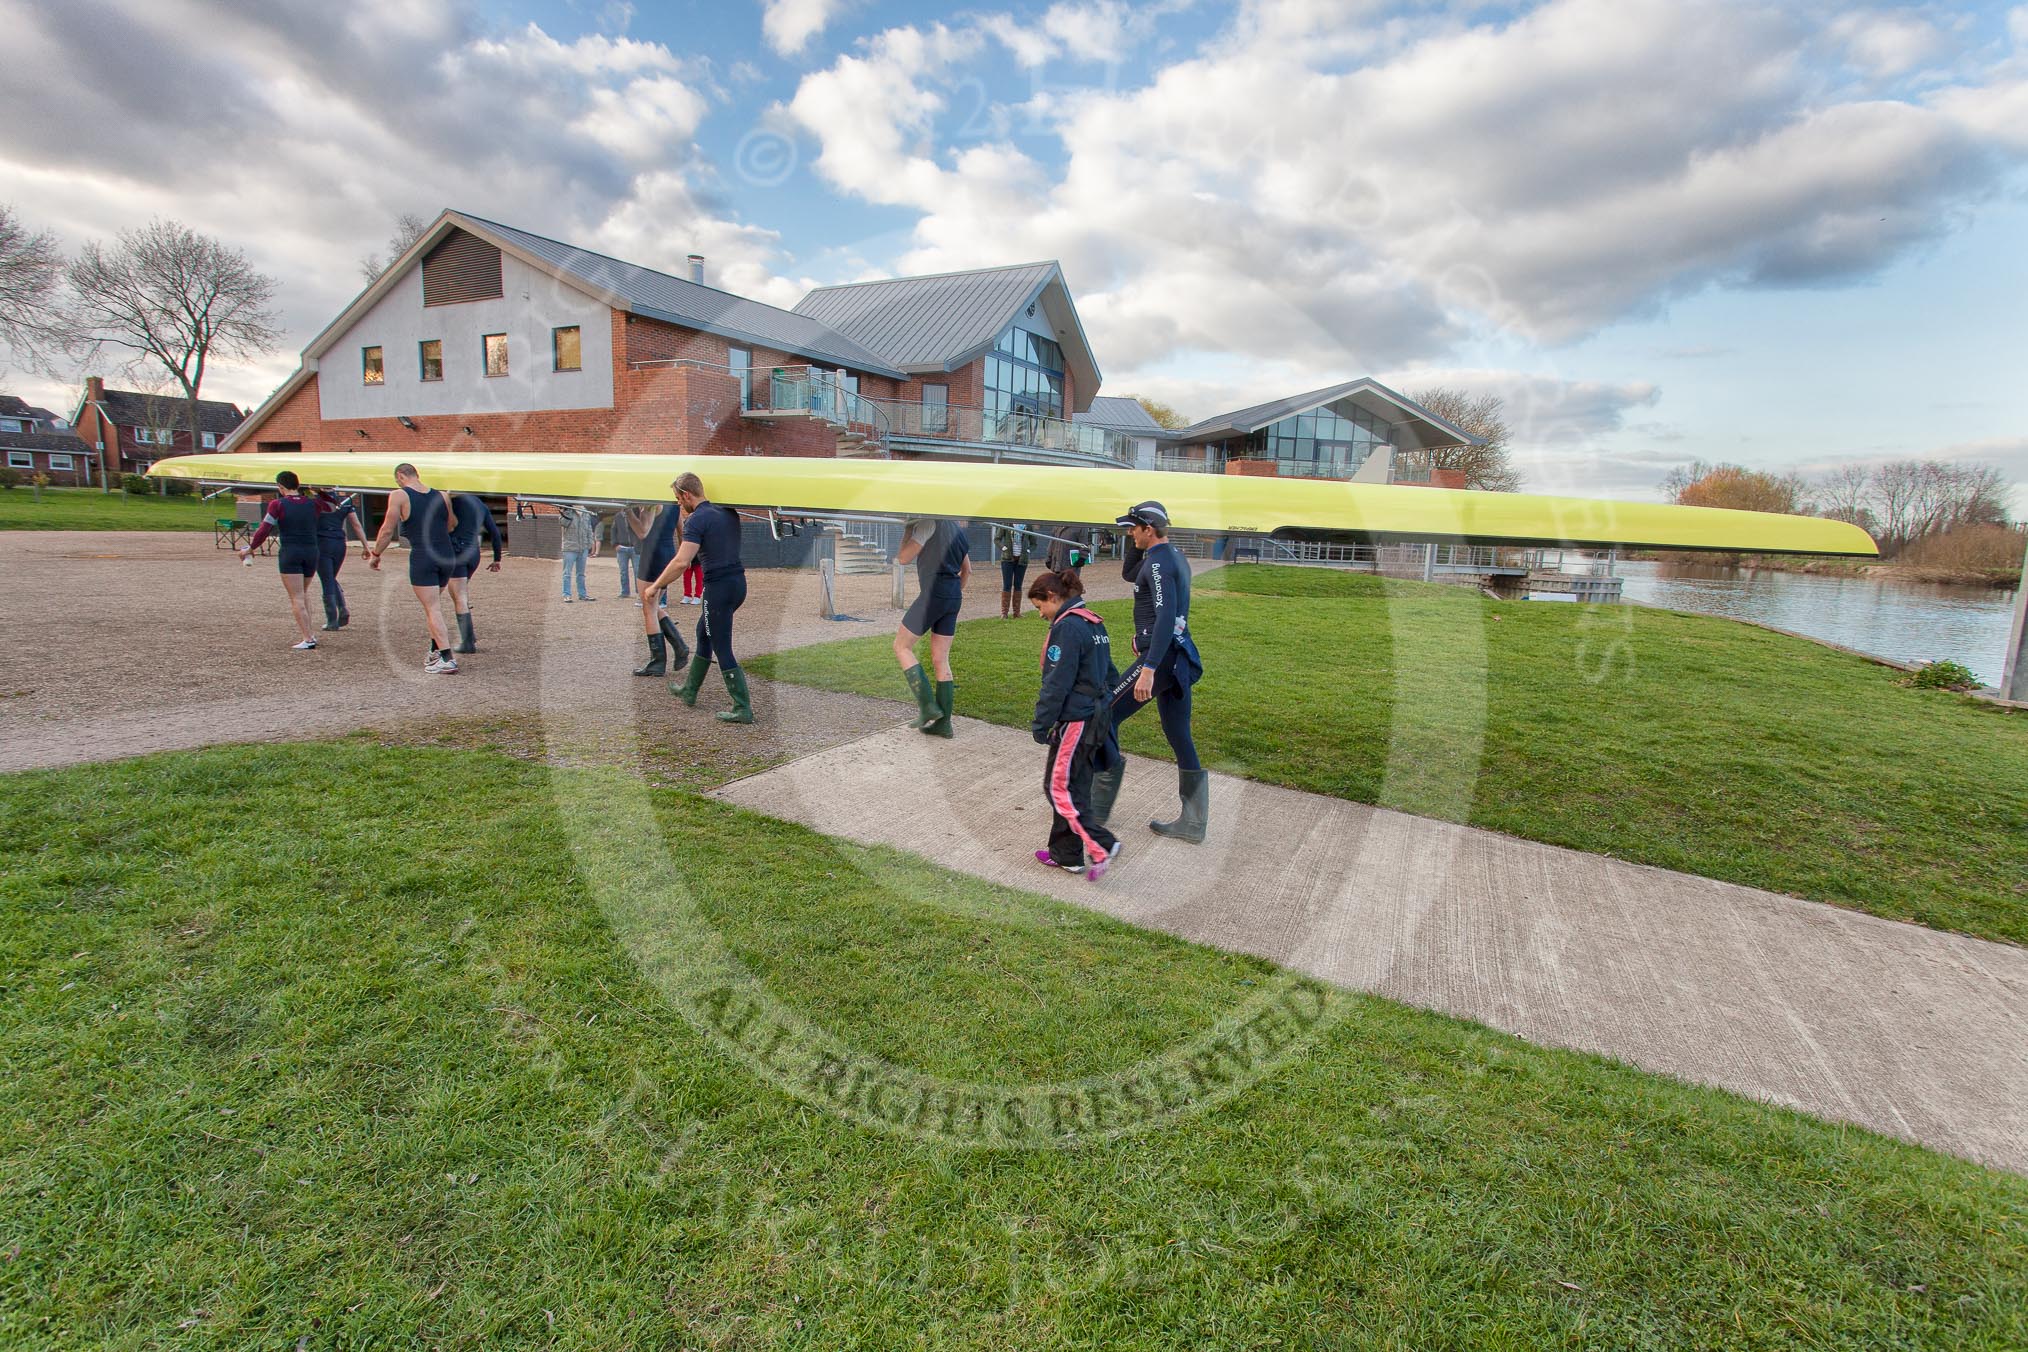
[
  {"x": 1098, "y": 870},
  {"x": 566, "y": 600},
  {"x": 1045, "y": 857},
  {"x": 441, "y": 666},
  {"x": 306, "y": 645}
]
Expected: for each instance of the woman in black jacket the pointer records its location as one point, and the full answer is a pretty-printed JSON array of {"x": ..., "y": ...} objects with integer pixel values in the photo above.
[{"x": 1071, "y": 719}]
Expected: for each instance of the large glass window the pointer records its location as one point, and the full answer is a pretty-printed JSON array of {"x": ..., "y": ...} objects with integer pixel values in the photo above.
[
  {"x": 1024, "y": 375},
  {"x": 740, "y": 362},
  {"x": 936, "y": 410},
  {"x": 496, "y": 354},
  {"x": 1320, "y": 441},
  {"x": 369, "y": 361},
  {"x": 431, "y": 355}
]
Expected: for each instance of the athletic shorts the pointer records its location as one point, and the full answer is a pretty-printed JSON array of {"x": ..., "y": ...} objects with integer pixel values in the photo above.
[
  {"x": 655, "y": 565},
  {"x": 300, "y": 559},
  {"x": 466, "y": 565},
  {"x": 427, "y": 571},
  {"x": 934, "y": 613}
]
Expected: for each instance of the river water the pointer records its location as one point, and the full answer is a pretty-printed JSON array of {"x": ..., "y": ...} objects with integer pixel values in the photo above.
[{"x": 1904, "y": 621}]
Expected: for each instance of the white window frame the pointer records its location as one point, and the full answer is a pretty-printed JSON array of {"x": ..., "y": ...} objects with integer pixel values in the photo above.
[
  {"x": 210, "y": 440},
  {"x": 10, "y": 425},
  {"x": 21, "y": 460},
  {"x": 57, "y": 460}
]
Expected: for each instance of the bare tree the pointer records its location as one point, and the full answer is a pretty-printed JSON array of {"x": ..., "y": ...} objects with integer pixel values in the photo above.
[
  {"x": 31, "y": 294},
  {"x": 408, "y": 228},
  {"x": 174, "y": 298},
  {"x": 1845, "y": 494},
  {"x": 1915, "y": 500},
  {"x": 1486, "y": 465}
]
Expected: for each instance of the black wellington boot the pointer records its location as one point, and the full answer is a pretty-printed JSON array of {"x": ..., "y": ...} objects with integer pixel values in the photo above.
[
  {"x": 658, "y": 658},
  {"x": 1105, "y": 791},
  {"x": 1194, "y": 787},
  {"x": 679, "y": 651},
  {"x": 467, "y": 641}
]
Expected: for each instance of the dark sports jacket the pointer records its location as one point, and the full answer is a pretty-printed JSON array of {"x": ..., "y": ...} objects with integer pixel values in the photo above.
[{"x": 1077, "y": 672}]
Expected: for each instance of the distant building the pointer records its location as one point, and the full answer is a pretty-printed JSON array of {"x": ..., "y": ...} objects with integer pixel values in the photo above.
[
  {"x": 36, "y": 441},
  {"x": 1355, "y": 431},
  {"x": 1134, "y": 424},
  {"x": 129, "y": 430},
  {"x": 482, "y": 336}
]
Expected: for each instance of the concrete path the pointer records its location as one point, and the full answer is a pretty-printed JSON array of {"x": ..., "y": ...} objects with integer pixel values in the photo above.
[{"x": 1909, "y": 1031}]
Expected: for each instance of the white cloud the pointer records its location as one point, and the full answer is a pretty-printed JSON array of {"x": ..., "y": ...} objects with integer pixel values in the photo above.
[
  {"x": 1339, "y": 186},
  {"x": 791, "y": 25},
  {"x": 1886, "y": 44},
  {"x": 300, "y": 131}
]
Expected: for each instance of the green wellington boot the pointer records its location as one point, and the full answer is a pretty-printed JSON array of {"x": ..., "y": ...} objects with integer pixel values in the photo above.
[
  {"x": 693, "y": 680},
  {"x": 1194, "y": 787},
  {"x": 940, "y": 726},
  {"x": 1105, "y": 791},
  {"x": 658, "y": 660},
  {"x": 742, "y": 702},
  {"x": 925, "y": 698},
  {"x": 468, "y": 642}
]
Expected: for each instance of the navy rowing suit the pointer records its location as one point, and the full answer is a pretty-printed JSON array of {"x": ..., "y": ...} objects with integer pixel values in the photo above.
[
  {"x": 715, "y": 531},
  {"x": 940, "y": 581},
  {"x": 331, "y": 549},
  {"x": 431, "y": 556},
  {"x": 474, "y": 518},
  {"x": 292, "y": 520},
  {"x": 1162, "y": 642}
]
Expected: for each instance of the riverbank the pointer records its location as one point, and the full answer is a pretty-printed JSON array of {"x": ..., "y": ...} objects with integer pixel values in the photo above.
[{"x": 1934, "y": 574}]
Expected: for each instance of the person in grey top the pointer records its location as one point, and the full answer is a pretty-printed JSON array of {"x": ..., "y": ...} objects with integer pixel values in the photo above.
[
  {"x": 626, "y": 548},
  {"x": 580, "y": 542}
]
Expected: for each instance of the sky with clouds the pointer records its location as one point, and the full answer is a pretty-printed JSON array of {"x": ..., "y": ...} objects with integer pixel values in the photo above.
[{"x": 1784, "y": 234}]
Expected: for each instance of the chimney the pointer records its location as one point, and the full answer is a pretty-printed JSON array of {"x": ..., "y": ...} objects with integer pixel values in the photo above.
[
  {"x": 95, "y": 387},
  {"x": 697, "y": 268}
]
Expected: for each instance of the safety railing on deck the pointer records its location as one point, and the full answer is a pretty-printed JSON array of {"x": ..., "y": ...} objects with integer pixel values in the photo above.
[
  {"x": 809, "y": 389},
  {"x": 990, "y": 427}
]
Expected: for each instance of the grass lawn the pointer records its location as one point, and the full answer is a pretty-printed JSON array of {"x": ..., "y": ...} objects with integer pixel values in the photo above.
[
  {"x": 1683, "y": 741},
  {"x": 89, "y": 509},
  {"x": 332, "y": 1046}
]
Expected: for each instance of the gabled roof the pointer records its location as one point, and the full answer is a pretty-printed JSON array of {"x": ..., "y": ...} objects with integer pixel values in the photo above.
[
  {"x": 63, "y": 443},
  {"x": 942, "y": 321},
  {"x": 657, "y": 295},
  {"x": 132, "y": 408},
  {"x": 1415, "y": 427},
  {"x": 1120, "y": 414}
]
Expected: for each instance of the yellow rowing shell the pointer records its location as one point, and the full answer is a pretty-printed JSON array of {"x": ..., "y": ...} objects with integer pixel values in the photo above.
[{"x": 1227, "y": 504}]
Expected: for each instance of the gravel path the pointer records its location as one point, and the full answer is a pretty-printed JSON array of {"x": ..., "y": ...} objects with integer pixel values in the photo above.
[{"x": 123, "y": 643}]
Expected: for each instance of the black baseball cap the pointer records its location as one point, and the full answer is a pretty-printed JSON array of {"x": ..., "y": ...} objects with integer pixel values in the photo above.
[{"x": 1149, "y": 513}]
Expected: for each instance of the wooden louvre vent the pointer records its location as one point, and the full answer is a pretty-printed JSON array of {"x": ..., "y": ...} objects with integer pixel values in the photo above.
[{"x": 464, "y": 267}]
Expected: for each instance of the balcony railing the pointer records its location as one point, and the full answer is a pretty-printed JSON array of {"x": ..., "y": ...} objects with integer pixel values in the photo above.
[
  {"x": 987, "y": 427},
  {"x": 808, "y": 389}
]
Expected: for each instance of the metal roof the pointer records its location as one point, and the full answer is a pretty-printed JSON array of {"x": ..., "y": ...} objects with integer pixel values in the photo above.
[
  {"x": 1120, "y": 414},
  {"x": 929, "y": 323},
  {"x": 1425, "y": 428},
  {"x": 674, "y": 300}
]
